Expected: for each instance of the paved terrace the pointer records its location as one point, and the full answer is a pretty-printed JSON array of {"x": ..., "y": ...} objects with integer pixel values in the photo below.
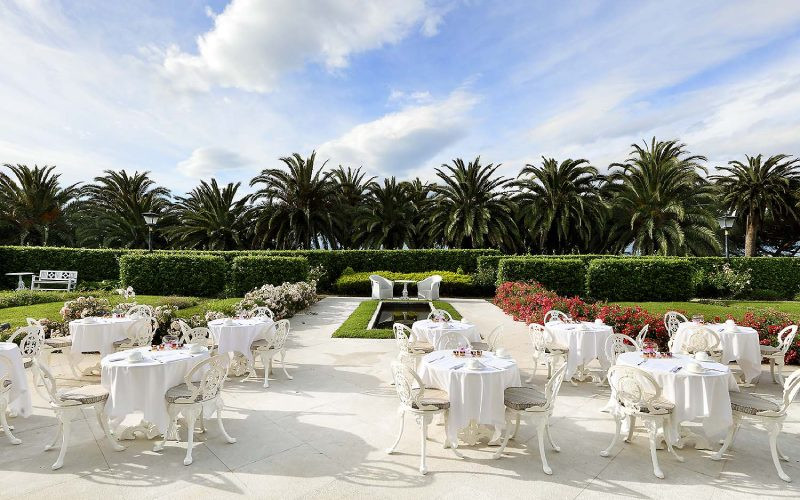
[{"x": 323, "y": 435}]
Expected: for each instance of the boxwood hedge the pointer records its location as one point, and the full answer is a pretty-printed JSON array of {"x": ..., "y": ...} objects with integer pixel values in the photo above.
[
  {"x": 251, "y": 271},
  {"x": 564, "y": 276},
  {"x": 174, "y": 274},
  {"x": 453, "y": 284},
  {"x": 640, "y": 279},
  {"x": 91, "y": 264}
]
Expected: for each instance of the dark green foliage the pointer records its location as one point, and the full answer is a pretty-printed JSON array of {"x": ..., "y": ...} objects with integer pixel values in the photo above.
[
  {"x": 453, "y": 284},
  {"x": 563, "y": 276},
  {"x": 91, "y": 264},
  {"x": 166, "y": 273},
  {"x": 253, "y": 271},
  {"x": 640, "y": 279}
]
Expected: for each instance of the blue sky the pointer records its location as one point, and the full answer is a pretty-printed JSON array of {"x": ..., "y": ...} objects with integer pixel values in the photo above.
[{"x": 194, "y": 89}]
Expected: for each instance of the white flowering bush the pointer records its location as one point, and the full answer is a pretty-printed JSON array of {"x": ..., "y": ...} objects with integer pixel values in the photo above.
[
  {"x": 212, "y": 315},
  {"x": 284, "y": 300},
  {"x": 729, "y": 282},
  {"x": 83, "y": 307},
  {"x": 128, "y": 293}
]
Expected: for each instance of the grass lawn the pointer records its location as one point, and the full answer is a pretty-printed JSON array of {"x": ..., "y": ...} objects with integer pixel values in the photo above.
[
  {"x": 355, "y": 326},
  {"x": 736, "y": 308}
]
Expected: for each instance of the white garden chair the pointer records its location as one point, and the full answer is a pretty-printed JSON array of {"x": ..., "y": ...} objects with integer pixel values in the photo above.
[
  {"x": 423, "y": 404},
  {"x": 406, "y": 346},
  {"x": 31, "y": 345},
  {"x": 381, "y": 287},
  {"x": 672, "y": 321},
  {"x": 428, "y": 288},
  {"x": 777, "y": 355},
  {"x": 702, "y": 339},
  {"x": 262, "y": 312},
  {"x": 616, "y": 344},
  {"x": 138, "y": 336},
  {"x": 641, "y": 336},
  {"x": 440, "y": 313},
  {"x": 200, "y": 335},
  {"x": 490, "y": 343},
  {"x": 68, "y": 403},
  {"x": 183, "y": 326},
  {"x": 62, "y": 344},
  {"x": 190, "y": 397},
  {"x": 555, "y": 315},
  {"x": 268, "y": 348},
  {"x": 768, "y": 414},
  {"x": 536, "y": 405},
  {"x": 452, "y": 340},
  {"x": 638, "y": 395},
  {"x": 5, "y": 397},
  {"x": 544, "y": 349},
  {"x": 140, "y": 311}
]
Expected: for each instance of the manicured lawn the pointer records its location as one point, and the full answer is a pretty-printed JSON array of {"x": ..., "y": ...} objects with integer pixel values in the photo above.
[
  {"x": 733, "y": 307},
  {"x": 355, "y": 326}
]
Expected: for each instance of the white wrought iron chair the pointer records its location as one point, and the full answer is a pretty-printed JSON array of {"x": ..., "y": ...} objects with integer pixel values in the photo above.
[
  {"x": 262, "y": 312},
  {"x": 423, "y": 404},
  {"x": 545, "y": 349},
  {"x": 428, "y": 288},
  {"x": 616, "y": 344},
  {"x": 766, "y": 413},
  {"x": 68, "y": 403},
  {"x": 702, "y": 339},
  {"x": 490, "y": 343},
  {"x": 555, "y": 315},
  {"x": 536, "y": 405},
  {"x": 452, "y": 340},
  {"x": 641, "y": 336},
  {"x": 406, "y": 346},
  {"x": 777, "y": 355},
  {"x": 189, "y": 398},
  {"x": 381, "y": 287},
  {"x": 53, "y": 344},
  {"x": 183, "y": 326},
  {"x": 200, "y": 335},
  {"x": 5, "y": 397},
  {"x": 138, "y": 335},
  {"x": 441, "y": 313},
  {"x": 673, "y": 320},
  {"x": 638, "y": 395},
  {"x": 269, "y": 347},
  {"x": 31, "y": 344}
]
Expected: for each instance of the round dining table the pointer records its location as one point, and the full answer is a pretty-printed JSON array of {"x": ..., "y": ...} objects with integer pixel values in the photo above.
[
  {"x": 90, "y": 335},
  {"x": 237, "y": 335},
  {"x": 586, "y": 342},
  {"x": 141, "y": 386},
  {"x": 20, "y": 403},
  {"x": 476, "y": 395},
  {"x": 739, "y": 343},
  {"x": 698, "y": 397},
  {"x": 426, "y": 330}
]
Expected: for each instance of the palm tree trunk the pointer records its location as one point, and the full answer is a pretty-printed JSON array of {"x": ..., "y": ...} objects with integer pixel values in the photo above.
[{"x": 751, "y": 234}]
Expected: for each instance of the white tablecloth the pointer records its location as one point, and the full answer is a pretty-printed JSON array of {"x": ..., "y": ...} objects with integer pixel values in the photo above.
[
  {"x": 474, "y": 394},
  {"x": 740, "y": 345},
  {"x": 141, "y": 387},
  {"x": 20, "y": 391},
  {"x": 238, "y": 336},
  {"x": 431, "y": 331},
  {"x": 697, "y": 397},
  {"x": 586, "y": 342},
  {"x": 100, "y": 335}
]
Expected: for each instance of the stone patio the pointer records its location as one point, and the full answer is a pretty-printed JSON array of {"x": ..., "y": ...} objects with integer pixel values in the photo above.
[{"x": 324, "y": 433}]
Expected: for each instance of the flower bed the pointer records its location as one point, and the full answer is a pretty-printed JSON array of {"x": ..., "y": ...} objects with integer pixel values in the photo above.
[{"x": 528, "y": 302}]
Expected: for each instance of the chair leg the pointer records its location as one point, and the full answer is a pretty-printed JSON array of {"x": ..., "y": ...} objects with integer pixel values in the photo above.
[
  {"x": 283, "y": 365},
  {"x": 391, "y": 449},
  {"x": 191, "y": 417},
  {"x": 774, "y": 429},
  {"x": 202, "y": 421},
  {"x": 541, "y": 429},
  {"x": 550, "y": 437},
  {"x": 653, "y": 436},
  {"x": 618, "y": 424},
  {"x": 55, "y": 438},
  {"x": 507, "y": 436},
  {"x": 103, "y": 421},
  {"x": 66, "y": 423},
  {"x": 423, "y": 469},
  {"x": 779, "y": 371},
  {"x": 225, "y": 434},
  {"x": 266, "y": 362},
  {"x": 6, "y": 428},
  {"x": 632, "y": 426}
]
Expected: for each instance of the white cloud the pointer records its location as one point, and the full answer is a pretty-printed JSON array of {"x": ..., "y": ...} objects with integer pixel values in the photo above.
[
  {"x": 208, "y": 161},
  {"x": 403, "y": 140},
  {"x": 253, "y": 43}
]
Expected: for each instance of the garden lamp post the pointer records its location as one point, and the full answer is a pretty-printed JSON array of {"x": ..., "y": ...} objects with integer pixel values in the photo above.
[
  {"x": 151, "y": 219},
  {"x": 726, "y": 222}
]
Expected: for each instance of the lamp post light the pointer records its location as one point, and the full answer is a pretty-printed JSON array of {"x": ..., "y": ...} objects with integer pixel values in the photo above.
[
  {"x": 726, "y": 222},
  {"x": 151, "y": 219}
]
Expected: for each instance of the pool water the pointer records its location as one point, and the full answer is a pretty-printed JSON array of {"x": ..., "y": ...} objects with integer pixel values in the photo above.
[{"x": 406, "y": 313}]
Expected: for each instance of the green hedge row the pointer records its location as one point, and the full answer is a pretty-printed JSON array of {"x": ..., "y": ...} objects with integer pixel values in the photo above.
[
  {"x": 91, "y": 264},
  {"x": 661, "y": 279},
  {"x": 564, "y": 276},
  {"x": 252, "y": 271},
  {"x": 174, "y": 274},
  {"x": 453, "y": 284}
]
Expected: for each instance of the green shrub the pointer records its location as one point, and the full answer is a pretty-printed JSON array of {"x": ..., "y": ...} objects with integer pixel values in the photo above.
[
  {"x": 91, "y": 264},
  {"x": 453, "y": 284},
  {"x": 355, "y": 326},
  {"x": 252, "y": 271},
  {"x": 640, "y": 279},
  {"x": 563, "y": 276},
  {"x": 162, "y": 273},
  {"x": 765, "y": 295},
  {"x": 29, "y": 298}
]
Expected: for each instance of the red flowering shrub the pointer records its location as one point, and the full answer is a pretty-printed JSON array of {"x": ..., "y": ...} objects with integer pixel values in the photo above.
[{"x": 529, "y": 302}]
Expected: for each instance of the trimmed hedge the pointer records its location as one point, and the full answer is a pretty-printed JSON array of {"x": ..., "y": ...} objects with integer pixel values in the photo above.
[
  {"x": 453, "y": 284},
  {"x": 174, "y": 274},
  {"x": 563, "y": 276},
  {"x": 252, "y": 271},
  {"x": 635, "y": 279},
  {"x": 91, "y": 264}
]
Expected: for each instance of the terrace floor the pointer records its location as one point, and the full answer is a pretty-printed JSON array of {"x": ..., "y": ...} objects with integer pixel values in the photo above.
[{"x": 323, "y": 434}]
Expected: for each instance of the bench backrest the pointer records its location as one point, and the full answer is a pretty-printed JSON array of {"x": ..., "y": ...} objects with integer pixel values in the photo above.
[{"x": 58, "y": 275}]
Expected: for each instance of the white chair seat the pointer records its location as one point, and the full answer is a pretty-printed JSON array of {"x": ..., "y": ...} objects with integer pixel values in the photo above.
[
  {"x": 261, "y": 344},
  {"x": 434, "y": 397},
  {"x": 769, "y": 349},
  {"x": 58, "y": 342},
  {"x": 421, "y": 347},
  {"x": 522, "y": 398},
  {"x": 182, "y": 392},
  {"x": 87, "y": 394},
  {"x": 556, "y": 348},
  {"x": 660, "y": 405},
  {"x": 747, "y": 403}
]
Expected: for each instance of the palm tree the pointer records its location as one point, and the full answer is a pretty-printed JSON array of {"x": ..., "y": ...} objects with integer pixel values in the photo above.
[
  {"x": 470, "y": 210},
  {"x": 756, "y": 189},
  {"x": 209, "y": 218},
  {"x": 660, "y": 204},
  {"x": 115, "y": 204},
  {"x": 298, "y": 204},
  {"x": 419, "y": 197},
  {"x": 351, "y": 189},
  {"x": 560, "y": 204},
  {"x": 35, "y": 204},
  {"x": 388, "y": 218}
]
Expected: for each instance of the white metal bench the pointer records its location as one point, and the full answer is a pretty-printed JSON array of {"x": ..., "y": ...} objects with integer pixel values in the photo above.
[{"x": 55, "y": 280}]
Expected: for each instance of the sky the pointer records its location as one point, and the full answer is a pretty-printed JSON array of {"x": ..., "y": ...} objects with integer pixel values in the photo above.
[{"x": 190, "y": 89}]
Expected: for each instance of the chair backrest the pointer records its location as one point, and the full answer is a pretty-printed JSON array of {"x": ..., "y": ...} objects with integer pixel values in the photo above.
[
  {"x": 790, "y": 388},
  {"x": 700, "y": 338},
  {"x": 210, "y": 374},
  {"x": 380, "y": 280},
  {"x": 31, "y": 340},
  {"x": 552, "y": 387},
  {"x": 138, "y": 336},
  {"x": 635, "y": 389},
  {"x": 452, "y": 340},
  {"x": 140, "y": 311},
  {"x": 5, "y": 374},
  {"x": 200, "y": 335},
  {"x": 555, "y": 315},
  {"x": 404, "y": 381},
  {"x": 441, "y": 313},
  {"x": 48, "y": 274},
  {"x": 672, "y": 320},
  {"x": 183, "y": 326},
  {"x": 50, "y": 385},
  {"x": 33, "y": 322},
  {"x": 618, "y": 343},
  {"x": 280, "y": 334},
  {"x": 261, "y": 312},
  {"x": 786, "y": 337},
  {"x": 402, "y": 335},
  {"x": 540, "y": 337},
  {"x": 494, "y": 337},
  {"x": 641, "y": 335}
]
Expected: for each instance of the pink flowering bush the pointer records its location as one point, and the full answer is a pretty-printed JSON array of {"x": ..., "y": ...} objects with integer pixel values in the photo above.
[{"x": 83, "y": 307}]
